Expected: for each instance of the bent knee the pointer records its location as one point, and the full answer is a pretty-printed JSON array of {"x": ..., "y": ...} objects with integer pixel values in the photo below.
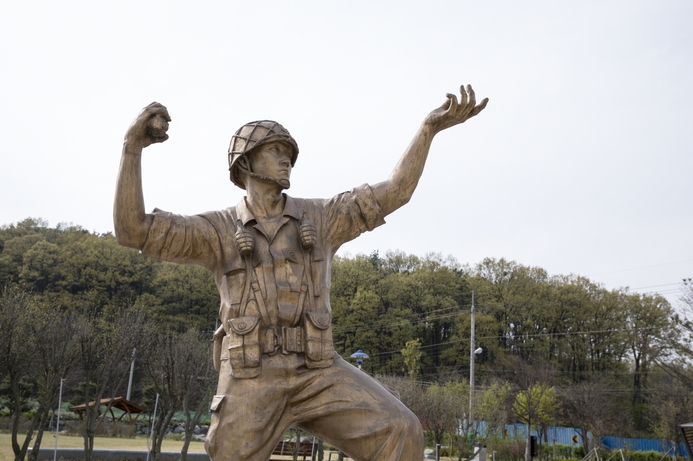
[
  {"x": 409, "y": 427},
  {"x": 416, "y": 434},
  {"x": 410, "y": 445}
]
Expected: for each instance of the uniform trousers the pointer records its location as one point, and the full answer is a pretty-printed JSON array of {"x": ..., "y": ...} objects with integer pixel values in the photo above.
[{"x": 340, "y": 404}]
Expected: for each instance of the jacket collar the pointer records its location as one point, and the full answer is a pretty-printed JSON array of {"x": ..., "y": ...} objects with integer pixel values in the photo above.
[{"x": 245, "y": 215}]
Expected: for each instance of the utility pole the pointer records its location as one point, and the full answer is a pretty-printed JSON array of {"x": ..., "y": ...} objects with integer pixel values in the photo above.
[
  {"x": 57, "y": 426},
  {"x": 132, "y": 369},
  {"x": 471, "y": 365},
  {"x": 472, "y": 352}
]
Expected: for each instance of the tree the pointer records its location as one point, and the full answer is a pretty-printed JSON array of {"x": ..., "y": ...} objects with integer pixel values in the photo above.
[
  {"x": 57, "y": 353},
  {"x": 430, "y": 403},
  {"x": 17, "y": 358},
  {"x": 187, "y": 294},
  {"x": 180, "y": 368},
  {"x": 39, "y": 349},
  {"x": 671, "y": 403},
  {"x": 456, "y": 355},
  {"x": 357, "y": 326},
  {"x": 436, "y": 412},
  {"x": 12, "y": 257},
  {"x": 601, "y": 317},
  {"x": 648, "y": 325},
  {"x": 511, "y": 294},
  {"x": 431, "y": 294},
  {"x": 493, "y": 408},
  {"x": 536, "y": 406},
  {"x": 197, "y": 381},
  {"x": 445, "y": 410},
  {"x": 355, "y": 305},
  {"x": 683, "y": 340},
  {"x": 106, "y": 338},
  {"x": 461, "y": 428},
  {"x": 362, "y": 320},
  {"x": 566, "y": 320},
  {"x": 38, "y": 269},
  {"x": 161, "y": 364},
  {"x": 410, "y": 392},
  {"x": 111, "y": 274},
  {"x": 412, "y": 357},
  {"x": 588, "y": 408}
]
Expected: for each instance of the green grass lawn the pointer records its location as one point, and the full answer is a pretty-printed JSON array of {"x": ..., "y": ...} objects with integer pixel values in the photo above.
[{"x": 100, "y": 443}]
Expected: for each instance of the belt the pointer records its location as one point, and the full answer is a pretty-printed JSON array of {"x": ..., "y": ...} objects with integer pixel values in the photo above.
[{"x": 287, "y": 339}]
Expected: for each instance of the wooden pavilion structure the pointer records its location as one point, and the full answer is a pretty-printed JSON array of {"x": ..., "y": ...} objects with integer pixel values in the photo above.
[{"x": 128, "y": 408}]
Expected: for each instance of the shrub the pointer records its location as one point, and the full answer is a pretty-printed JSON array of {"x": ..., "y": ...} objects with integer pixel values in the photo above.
[
  {"x": 647, "y": 456},
  {"x": 507, "y": 449}
]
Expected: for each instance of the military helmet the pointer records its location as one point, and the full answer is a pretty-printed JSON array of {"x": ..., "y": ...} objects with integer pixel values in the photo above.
[{"x": 252, "y": 135}]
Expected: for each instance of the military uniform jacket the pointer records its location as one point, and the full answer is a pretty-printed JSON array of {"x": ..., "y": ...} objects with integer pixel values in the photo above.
[{"x": 276, "y": 298}]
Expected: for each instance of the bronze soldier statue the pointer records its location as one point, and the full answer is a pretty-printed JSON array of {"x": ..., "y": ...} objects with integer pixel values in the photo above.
[{"x": 270, "y": 256}]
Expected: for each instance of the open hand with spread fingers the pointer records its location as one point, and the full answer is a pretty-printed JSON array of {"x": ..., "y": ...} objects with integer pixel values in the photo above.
[{"x": 452, "y": 112}]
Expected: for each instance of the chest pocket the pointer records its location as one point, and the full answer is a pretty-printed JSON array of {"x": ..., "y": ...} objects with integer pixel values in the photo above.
[
  {"x": 291, "y": 288},
  {"x": 289, "y": 269},
  {"x": 234, "y": 271}
]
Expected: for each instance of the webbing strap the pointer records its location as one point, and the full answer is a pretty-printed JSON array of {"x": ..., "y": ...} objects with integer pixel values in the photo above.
[{"x": 251, "y": 281}]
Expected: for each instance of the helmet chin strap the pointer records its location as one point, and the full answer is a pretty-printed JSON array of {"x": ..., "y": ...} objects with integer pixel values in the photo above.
[{"x": 283, "y": 183}]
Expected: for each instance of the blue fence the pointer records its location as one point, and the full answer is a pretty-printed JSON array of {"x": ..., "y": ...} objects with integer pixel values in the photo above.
[
  {"x": 554, "y": 434},
  {"x": 571, "y": 436},
  {"x": 565, "y": 435},
  {"x": 661, "y": 446}
]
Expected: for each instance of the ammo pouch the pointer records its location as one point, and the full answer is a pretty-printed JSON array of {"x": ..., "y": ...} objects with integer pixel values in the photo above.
[
  {"x": 319, "y": 349},
  {"x": 243, "y": 345}
]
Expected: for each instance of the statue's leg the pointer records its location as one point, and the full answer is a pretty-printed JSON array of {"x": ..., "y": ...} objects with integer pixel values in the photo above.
[
  {"x": 352, "y": 411},
  {"x": 248, "y": 414}
]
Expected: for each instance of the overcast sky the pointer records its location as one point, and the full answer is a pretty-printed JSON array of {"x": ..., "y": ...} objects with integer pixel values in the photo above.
[{"x": 580, "y": 164}]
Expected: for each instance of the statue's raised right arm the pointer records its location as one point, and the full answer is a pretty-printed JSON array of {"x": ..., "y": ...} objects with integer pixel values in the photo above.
[
  {"x": 399, "y": 187},
  {"x": 130, "y": 220}
]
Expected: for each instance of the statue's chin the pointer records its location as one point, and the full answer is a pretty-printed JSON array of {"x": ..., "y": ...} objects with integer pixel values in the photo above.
[{"x": 285, "y": 183}]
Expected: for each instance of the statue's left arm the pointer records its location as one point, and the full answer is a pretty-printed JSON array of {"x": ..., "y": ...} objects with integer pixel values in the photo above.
[{"x": 399, "y": 187}]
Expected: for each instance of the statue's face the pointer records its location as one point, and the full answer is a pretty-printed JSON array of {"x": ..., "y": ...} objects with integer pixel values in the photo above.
[{"x": 272, "y": 160}]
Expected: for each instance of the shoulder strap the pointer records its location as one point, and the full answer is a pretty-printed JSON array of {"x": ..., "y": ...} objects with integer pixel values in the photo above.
[
  {"x": 251, "y": 281},
  {"x": 308, "y": 265}
]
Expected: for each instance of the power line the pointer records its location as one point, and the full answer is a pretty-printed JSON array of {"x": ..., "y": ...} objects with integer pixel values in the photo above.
[
  {"x": 655, "y": 286},
  {"x": 645, "y": 267},
  {"x": 414, "y": 318},
  {"x": 523, "y": 346}
]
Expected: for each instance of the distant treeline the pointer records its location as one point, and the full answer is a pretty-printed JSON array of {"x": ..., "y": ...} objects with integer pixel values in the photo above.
[
  {"x": 66, "y": 263},
  {"x": 411, "y": 315}
]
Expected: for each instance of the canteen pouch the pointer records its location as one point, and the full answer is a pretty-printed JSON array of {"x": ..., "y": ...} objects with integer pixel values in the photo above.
[
  {"x": 244, "y": 346},
  {"x": 216, "y": 403},
  {"x": 319, "y": 348},
  {"x": 218, "y": 341}
]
